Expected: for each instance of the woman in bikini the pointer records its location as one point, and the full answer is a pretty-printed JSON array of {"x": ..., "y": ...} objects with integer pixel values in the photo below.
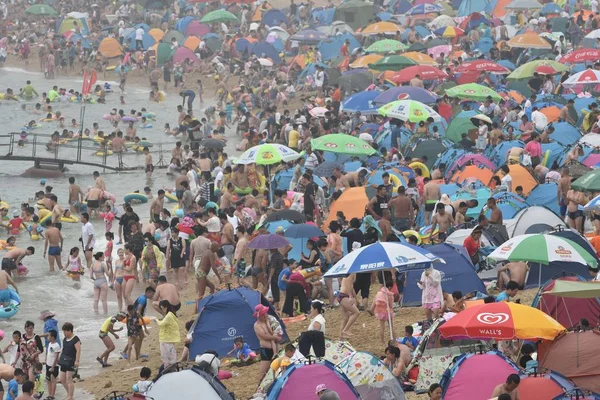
[
  {"x": 347, "y": 300},
  {"x": 118, "y": 273},
  {"x": 97, "y": 273},
  {"x": 129, "y": 273}
]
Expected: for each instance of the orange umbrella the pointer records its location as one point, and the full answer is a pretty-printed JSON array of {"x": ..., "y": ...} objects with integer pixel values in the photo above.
[
  {"x": 386, "y": 76},
  {"x": 110, "y": 47},
  {"x": 157, "y": 34},
  {"x": 552, "y": 113},
  {"x": 364, "y": 61},
  {"x": 420, "y": 58},
  {"x": 192, "y": 42},
  {"x": 352, "y": 203},
  {"x": 529, "y": 40},
  {"x": 299, "y": 59},
  {"x": 381, "y": 28}
]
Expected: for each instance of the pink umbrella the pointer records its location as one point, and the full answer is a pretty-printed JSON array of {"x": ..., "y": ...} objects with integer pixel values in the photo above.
[
  {"x": 437, "y": 50},
  {"x": 476, "y": 159},
  {"x": 183, "y": 53},
  {"x": 591, "y": 160},
  {"x": 195, "y": 28}
]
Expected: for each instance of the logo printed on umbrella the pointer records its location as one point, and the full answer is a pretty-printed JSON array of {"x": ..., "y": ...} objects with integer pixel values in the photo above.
[
  {"x": 350, "y": 145},
  {"x": 401, "y": 259},
  {"x": 267, "y": 155},
  {"x": 339, "y": 268},
  {"x": 508, "y": 247},
  {"x": 372, "y": 265},
  {"x": 492, "y": 318},
  {"x": 561, "y": 251},
  {"x": 469, "y": 91},
  {"x": 417, "y": 113},
  {"x": 331, "y": 145}
]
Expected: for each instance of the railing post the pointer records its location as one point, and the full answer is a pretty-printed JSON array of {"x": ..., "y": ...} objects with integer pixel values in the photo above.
[
  {"x": 12, "y": 144},
  {"x": 34, "y": 145}
]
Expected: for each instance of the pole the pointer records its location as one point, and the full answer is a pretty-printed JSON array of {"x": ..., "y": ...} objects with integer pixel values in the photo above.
[{"x": 387, "y": 307}]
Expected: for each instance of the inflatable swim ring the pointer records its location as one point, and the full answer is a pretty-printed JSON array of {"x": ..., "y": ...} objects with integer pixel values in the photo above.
[
  {"x": 147, "y": 126},
  {"x": 424, "y": 170},
  {"x": 44, "y": 214},
  {"x": 412, "y": 233},
  {"x": 171, "y": 198},
  {"x": 426, "y": 233},
  {"x": 11, "y": 309},
  {"x": 129, "y": 119},
  {"x": 308, "y": 272},
  {"x": 109, "y": 196},
  {"x": 22, "y": 270},
  {"x": 147, "y": 321},
  {"x": 4, "y": 204},
  {"x": 135, "y": 198},
  {"x": 72, "y": 219},
  {"x": 149, "y": 114},
  {"x": 35, "y": 236},
  {"x": 103, "y": 153}
]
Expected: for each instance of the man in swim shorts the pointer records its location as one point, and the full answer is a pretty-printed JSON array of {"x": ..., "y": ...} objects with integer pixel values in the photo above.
[
  {"x": 266, "y": 338},
  {"x": 53, "y": 244},
  {"x": 6, "y": 280},
  {"x": 13, "y": 258},
  {"x": 208, "y": 262},
  {"x": 157, "y": 206}
]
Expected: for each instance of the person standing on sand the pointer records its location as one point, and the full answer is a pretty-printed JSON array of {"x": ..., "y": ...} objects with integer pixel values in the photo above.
[
  {"x": 53, "y": 245},
  {"x": 207, "y": 262},
  {"x": 166, "y": 291},
  {"x": 266, "y": 339},
  {"x": 347, "y": 300},
  {"x": 69, "y": 359},
  {"x": 106, "y": 329}
]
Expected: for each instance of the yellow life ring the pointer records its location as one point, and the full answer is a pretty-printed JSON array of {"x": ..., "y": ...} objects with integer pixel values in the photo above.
[
  {"x": 410, "y": 232},
  {"x": 424, "y": 170},
  {"x": 44, "y": 214},
  {"x": 72, "y": 219},
  {"x": 102, "y": 153},
  {"x": 396, "y": 183},
  {"x": 5, "y": 205}
]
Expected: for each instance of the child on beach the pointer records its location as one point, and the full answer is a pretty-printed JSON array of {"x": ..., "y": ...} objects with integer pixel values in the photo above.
[
  {"x": 13, "y": 350},
  {"x": 408, "y": 339},
  {"x": 75, "y": 268},
  {"x": 241, "y": 351},
  {"x": 383, "y": 307},
  {"x": 110, "y": 237},
  {"x": 35, "y": 230},
  {"x": 53, "y": 350},
  {"x": 16, "y": 223},
  {"x": 38, "y": 388},
  {"x": 108, "y": 217},
  {"x": 13, "y": 384},
  {"x": 144, "y": 383},
  {"x": 135, "y": 336}
]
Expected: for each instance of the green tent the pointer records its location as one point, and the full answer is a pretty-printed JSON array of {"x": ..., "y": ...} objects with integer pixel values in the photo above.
[
  {"x": 355, "y": 13},
  {"x": 163, "y": 53},
  {"x": 459, "y": 125}
]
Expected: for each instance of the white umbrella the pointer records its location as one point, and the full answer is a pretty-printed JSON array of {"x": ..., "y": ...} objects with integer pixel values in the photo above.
[
  {"x": 265, "y": 62},
  {"x": 318, "y": 111},
  {"x": 593, "y": 34},
  {"x": 523, "y": 5},
  {"x": 442, "y": 21},
  {"x": 591, "y": 139}
]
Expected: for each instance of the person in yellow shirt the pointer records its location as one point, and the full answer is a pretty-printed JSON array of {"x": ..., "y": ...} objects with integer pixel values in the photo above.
[
  {"x": 168, "y": 334},
  {"x": 294, "y": 137},
  {"x": 281, "y": 363}
]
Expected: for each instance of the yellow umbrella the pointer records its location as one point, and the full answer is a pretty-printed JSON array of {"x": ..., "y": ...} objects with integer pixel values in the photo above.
[
  {"x": 529, "y": 40},
  {"x": 157, "y": 34},
  {"x": 420, "y": 58},
  {"x": 192, "y": 42},
  {"x": 380, "y": 28},
  {"x": 364, "y": 61}
]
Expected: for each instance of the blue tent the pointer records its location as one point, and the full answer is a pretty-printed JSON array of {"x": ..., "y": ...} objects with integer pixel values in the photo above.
[
  {"x": 565, "y": 133},
  {"x": 274, "y": 17},
  {"x": 182, "y": 23},
  {"x": 468, "y": 7},
  {"x": 147, "y": 41},
  {"x": 484, "y": 45},
  {"x": 145, "y": 27},
  {"x": 544, "y": 195},
  {"x": 555, "y": 151},
  {"x": 509, "y": 203},
  {"x": 362, "y": 101},
  {"x": 225, "y": 315},
  {"x": 331, "y": 48},
  {"x": 448, "y": 157},
  {"x": 498, "y": 154},
  {"x": 322, "y": 16},
  {"x": 587, "y": 150},
  {"x": 85, "y": 43},
  {"x": 457, "y": 274},
  {"x": 538, "y": 274},
  {"x": 265, "y": 50},
  {"x": 243, "y": 45},
  {"x": 403, "y": 6}
]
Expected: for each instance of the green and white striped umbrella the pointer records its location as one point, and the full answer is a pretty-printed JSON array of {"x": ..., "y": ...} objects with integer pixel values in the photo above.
[
  {"x": 268, "y": 154},
  {"x": 543, "y": 249}
]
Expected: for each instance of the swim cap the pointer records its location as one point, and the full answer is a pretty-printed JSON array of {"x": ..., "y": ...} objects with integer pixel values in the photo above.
[{"x": 42, "y": 181}]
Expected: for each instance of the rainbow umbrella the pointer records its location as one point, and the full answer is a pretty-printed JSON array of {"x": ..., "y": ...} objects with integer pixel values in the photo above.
[
  {"x": 449, "y": 32},
  {"x": 473, "y": 91},
  {"x": 409, "y": 110},
  {"x": 502, "y": 321}
]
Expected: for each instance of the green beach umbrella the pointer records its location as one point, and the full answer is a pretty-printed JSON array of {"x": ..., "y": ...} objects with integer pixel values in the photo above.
[
  {"x": 342, "y": 144},
  {"x": 392, "y": 63},
  {"x": 219, "y": 16},
  {"x": 589, "y": 182},
  {"x": 267, "y": 154},
  {"x": 527, "y": 70},
  {"x": 41, "y": 9},
  {"x": 386, "y": 46},
  {"x": 473, "y": 91},
  {"x": 409, "y": 110}
]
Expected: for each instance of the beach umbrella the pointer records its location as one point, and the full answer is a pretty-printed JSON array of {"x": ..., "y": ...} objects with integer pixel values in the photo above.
[
  {"x": 268, "y": 241},
  {"x": 426, "y": 72},
  {"x": 381, "y": 256},
  {"x": 392, "y": 63},
  {"x": 268, "y": 154},
  {"x": 381, "y": 28},
  {"x": 409, "y": 110},
  {"x": 593, "y": 205},
  {"x": 581, "y": 55},
  {"x": 526, "y": 70},
  {"x": 502, "y": 321},
  {"x": 286, "y": 215},
  {"x": 404, "y": 93},
  {"x": 542, "y": 249},
  {"x": 318, "y": 111},
  {"x": 481, "y": 117},
  {"x": 473, "y": 91},
  {"x": 218, "y": 16},
  {"x": 301, "y": 231},
  {"x": 212, "y": 144},
  {"x": 523, "y": 5},
  {"x": 420, "y": 58},
  {"x": 357, "y": 81},
  {"x": 482, "y": 66},
  {"x": 342, "y": 144},
  {"x": 589, "y": 182},
  {"x": 417, "y": 47},
  {"x": 449, "y": 32},
  {"x": 41, "y": 9},
  {"x": 365, "y": 61},
  {"x": 308, "y": 36},
  {"x": 586, "y": 77},
  {"x": 362, "y": 101},
  {"x": 386, "y": 46},
  {"x": 326, "y": 168},
  {"x": 529, "y": 40},
  {"x": 425, "y": 8},
  {"x": 546, "y": 70},
  {"x": 442, "y": 21}
]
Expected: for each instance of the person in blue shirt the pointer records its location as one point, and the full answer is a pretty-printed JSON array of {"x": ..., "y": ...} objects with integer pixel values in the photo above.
[
  {"x": 408, "y": 339},
  {"x": 242, "y": 351},
  {"x": 190, "y": 95},
  {"x": 512, "y": 288},
  {"x": 50, "y": 324},
  {"x": 141, "y": 302},
  {"x": 13, "y": 385},
  {"x": 284, "y": 275}
]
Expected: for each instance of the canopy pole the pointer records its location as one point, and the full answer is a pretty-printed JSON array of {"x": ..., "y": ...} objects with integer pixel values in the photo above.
[{"x": 387, "y": 304}]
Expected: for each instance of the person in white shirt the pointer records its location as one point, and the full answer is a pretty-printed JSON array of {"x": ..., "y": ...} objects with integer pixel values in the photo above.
[
  {"x": 88, "y": 239},
  {"x": 506, "y": 179},
  {"x": 319, "y": 79},
  {"x": 366, "y": 136},
  {"x": 139, "y": 38},
  {"x": 312, "y": 161},
  {"x": 540, "y": 122}
]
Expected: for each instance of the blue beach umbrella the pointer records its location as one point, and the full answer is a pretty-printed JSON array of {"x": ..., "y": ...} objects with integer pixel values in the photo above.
[
  {"x": 268, "y": 241},
  {"x": 383, "y": 255},
  {"x": 402, "y": 92},
  {"x": 424, "y": 9},
  {"x": 302, "y": 231},
  {"x": 362, "y": 101}
]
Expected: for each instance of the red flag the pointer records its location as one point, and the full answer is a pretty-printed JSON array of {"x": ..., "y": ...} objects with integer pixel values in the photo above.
[
  {"x": 93, "y": 79},
  {"x": 85, "y": 88}
]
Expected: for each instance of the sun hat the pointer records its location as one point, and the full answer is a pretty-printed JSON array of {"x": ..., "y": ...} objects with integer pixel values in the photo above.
[
  {"x": 260, "y": 310},
  {"x": 46, "y": 314},
  {"x": 320, "y": 387}
]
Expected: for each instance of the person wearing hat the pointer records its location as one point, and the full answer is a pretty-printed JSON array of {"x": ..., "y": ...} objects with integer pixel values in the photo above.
[
  {"x": 50, "y": 323},
  {"x": 326, "y": 394},
  {"x": 266, "y": 338}
]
